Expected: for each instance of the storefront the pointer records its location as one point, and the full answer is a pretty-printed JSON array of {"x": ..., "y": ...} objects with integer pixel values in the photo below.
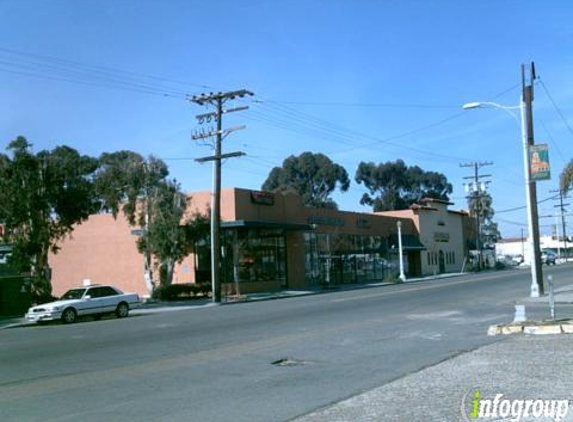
[{"x": 269, "y": 242}]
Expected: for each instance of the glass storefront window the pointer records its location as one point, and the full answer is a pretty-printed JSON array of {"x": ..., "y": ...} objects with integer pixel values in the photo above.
[
  {"x": 338, "y": 259},
  {"x": 258, "y": 254}
]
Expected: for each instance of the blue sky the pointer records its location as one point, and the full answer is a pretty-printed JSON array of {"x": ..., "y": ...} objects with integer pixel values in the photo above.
[{"x": 357, "y": 80}]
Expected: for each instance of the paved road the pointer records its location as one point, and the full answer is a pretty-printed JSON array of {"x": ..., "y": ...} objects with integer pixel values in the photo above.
[{"x": 216, "y": 364}]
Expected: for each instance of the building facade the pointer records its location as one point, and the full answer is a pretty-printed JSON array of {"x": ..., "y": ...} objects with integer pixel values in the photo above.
[
  {"x": 444, "y": 232},
  {"x": 270, "y": 242}
]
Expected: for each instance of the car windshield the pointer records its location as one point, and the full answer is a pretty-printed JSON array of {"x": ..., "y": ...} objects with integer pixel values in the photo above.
[{"x": 74, "y": 294}]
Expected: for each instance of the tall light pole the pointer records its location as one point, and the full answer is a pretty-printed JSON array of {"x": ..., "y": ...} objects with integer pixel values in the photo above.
[
  {"x": 400, "y": 253},
  {"x": 530, "y": 191}
]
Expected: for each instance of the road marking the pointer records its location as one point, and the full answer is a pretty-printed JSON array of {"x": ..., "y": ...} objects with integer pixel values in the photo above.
[{"x": 396, "y": 292}]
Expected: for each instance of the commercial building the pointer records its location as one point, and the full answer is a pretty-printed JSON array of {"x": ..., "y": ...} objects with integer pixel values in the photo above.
[
  {"x": 270, "y": 242},
  {"x": 444, "y": 233}
]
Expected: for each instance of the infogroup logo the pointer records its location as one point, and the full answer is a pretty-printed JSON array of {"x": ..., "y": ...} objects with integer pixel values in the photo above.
[{"x": 475, "y": 407}]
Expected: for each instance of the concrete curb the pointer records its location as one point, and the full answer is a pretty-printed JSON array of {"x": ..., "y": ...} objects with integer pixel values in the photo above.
[{"x": 532, "y": 328}]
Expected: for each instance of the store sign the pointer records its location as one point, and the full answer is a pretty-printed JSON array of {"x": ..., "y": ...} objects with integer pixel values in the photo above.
[
  {"x": 539, "y": 162},
  {"x": 441, "y": 237},
  {"x": 262, "y": 198}
]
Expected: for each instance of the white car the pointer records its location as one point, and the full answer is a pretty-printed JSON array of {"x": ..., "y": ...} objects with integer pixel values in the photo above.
[{"x": 93, "y": 300}]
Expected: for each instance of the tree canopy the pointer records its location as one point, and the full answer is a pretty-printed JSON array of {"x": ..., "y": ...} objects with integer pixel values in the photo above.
[
  {"x": 566, "y": 180},
  {"x": 42, "y": 196},
  {"x": 395, "y": 186},
  {"x": 312, "y": 176},
  {"x": 171, "y": 236},
  {"x": 481, "y": 203},
  {"x": 140, "y": 188}
]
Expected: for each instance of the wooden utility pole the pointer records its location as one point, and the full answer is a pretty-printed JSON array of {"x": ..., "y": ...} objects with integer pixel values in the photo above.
[
  {"x": 527, "y": 121},
  {"x": 217, "y": 100},
  {"x": 562, "y": 206},
  {"x": 475, "y": 190}
]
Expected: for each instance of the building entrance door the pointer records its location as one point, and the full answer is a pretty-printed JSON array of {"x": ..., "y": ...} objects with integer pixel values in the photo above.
[{"x": 442, "y": 262}]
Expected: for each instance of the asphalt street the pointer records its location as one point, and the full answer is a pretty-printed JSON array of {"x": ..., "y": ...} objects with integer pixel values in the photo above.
[{"x": 264, "y": 361}]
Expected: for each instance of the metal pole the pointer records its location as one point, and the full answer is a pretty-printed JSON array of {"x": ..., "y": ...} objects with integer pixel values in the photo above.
[
  {"x": 563, "y": 231},
  {"x": 400, "y": 253},
  {"x": 551, "y": 296}
]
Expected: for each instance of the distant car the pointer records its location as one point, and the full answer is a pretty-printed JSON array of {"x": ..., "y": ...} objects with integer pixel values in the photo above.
[
  {"x": 518, "y": 259},
  {"x": 548, "y": 258},
  {"x": 93, "y": 300}
]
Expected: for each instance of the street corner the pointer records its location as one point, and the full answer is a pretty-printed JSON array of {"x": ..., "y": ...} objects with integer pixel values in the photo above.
[{"x": 532, "y": 328}]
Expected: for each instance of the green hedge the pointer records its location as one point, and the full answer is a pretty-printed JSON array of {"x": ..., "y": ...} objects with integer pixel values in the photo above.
[{"x": 183, "y": 291}]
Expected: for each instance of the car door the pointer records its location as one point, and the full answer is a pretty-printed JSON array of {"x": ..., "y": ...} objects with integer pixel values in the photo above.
[
  {"x": 92, "y": 304},
  {"x": 108, "y": 298}
]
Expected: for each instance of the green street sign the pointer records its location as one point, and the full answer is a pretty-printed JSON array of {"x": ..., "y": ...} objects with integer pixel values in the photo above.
[{"x": 539, "y": 162}]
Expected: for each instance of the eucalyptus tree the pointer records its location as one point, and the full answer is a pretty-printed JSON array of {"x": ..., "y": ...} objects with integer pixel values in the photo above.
[
  {"x": 395, "y": 186},
  {"x": 42, "y": 196},
  {"x": 155, "y": 205},
  {"x": 312, "y": 176}
]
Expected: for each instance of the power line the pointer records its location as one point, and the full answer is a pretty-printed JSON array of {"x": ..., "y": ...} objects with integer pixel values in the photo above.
[
  {"x": 523, "y": 207},
  {"x": 555, "y": 105},
  {"x": 99, "y": 68},
  {"x": 52, "y": 68},
  {"x": 373, "y": 105}
]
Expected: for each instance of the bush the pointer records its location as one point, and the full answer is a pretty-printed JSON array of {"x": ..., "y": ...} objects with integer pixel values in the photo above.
[
  {"x": 500, "y": 265},
  {"x": 184, "y": 291},
  {"x": 43, "y": 298},
  {"x": 392, "y": 278}
]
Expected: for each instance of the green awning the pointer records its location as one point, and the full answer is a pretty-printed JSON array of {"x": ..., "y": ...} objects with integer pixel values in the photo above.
[{"x": 409, "y": 242}]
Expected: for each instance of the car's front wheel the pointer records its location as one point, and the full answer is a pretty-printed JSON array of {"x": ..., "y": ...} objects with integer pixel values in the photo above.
[
  {"x": 69, "y": 315},
  {"x": 122, "y": 310}
]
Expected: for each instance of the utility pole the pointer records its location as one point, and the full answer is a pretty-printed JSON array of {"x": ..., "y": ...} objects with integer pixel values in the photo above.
[
  {"x": 533, "y": 217},
  {"x": 561, "y": 207},
  {"x": 217, "y": 100},
  {"x": 475, "y": 189},
  {"x": 522, "y": 246}
]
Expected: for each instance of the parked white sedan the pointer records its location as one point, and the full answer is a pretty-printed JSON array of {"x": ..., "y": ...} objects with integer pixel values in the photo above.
[{"x": 93, "y": 300}]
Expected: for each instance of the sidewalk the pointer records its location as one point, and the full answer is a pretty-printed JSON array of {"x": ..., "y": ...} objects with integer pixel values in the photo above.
[{"x": 519, "y": 367}]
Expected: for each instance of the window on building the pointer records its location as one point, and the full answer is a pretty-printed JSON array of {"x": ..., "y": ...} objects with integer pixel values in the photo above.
[
  {"x": 337, "y": 259},
  {"x": 260, "y": 255}
]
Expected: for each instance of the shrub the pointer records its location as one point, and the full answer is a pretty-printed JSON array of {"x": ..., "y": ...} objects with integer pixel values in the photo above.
[
  {"x": 184, "y": 291},
  {"x": 392, "y": 278}
]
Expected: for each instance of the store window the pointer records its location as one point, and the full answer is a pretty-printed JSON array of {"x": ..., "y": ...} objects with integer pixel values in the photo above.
[
  {"x": 258, "y": 255},
  {"x": 340, "y": 259}
]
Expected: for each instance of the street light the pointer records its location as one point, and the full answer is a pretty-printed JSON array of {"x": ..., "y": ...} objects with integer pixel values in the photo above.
[
  {"x": 531, "y": 206},
  {"x": 400, "y": 254}
]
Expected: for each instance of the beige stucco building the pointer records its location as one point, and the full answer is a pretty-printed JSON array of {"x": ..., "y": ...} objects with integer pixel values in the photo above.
[{"x": 442, "y": 231}]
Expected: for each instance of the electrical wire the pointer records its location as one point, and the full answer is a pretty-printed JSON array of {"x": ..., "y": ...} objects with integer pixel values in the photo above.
[
  {"x": 369, "y": 105},
  {"x": 48, "y": 67},
  {"x": 559, "y": 112}
]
